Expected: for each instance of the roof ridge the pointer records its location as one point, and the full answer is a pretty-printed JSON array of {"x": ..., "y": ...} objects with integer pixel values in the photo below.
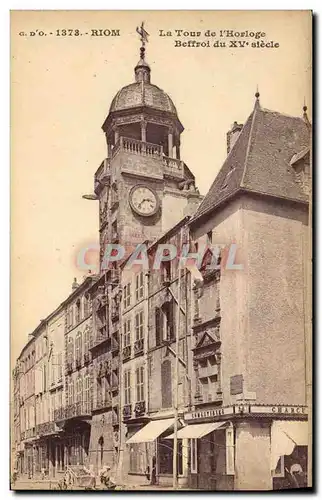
[
  {"x": 266, "y": 110},
  {"x": 249, "y": 143}
]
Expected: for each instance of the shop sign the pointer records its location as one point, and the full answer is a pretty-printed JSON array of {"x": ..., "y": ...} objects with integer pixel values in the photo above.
[{"x": 246, "y": 409}]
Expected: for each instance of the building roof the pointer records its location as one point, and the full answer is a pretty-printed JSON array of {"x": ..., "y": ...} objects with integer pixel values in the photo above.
[
  {"x": 142, "y": 94},
  {"x": 259, "y": 161}
]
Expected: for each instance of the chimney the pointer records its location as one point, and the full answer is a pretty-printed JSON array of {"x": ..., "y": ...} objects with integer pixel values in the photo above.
[
  {"x": 75, "y": 284},
  {"x": 232, "y": 135}
]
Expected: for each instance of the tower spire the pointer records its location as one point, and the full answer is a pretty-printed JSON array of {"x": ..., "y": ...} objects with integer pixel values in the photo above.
[{"x": 142, "y": 69}]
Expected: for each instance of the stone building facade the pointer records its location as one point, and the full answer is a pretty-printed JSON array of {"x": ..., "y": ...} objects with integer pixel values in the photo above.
[{"x": 102, "y": 378}]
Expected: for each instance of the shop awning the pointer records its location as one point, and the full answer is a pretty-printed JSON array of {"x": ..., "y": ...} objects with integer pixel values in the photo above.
[
  {"x": 151, "y": 431},
  {"x": 196, "y": 431},
  {"x": 285, "y": 435}
]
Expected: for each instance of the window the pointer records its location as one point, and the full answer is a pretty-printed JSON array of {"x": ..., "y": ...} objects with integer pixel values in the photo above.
[
  {"x": 59, "y": 366},
  {"x": 69, "y": 314},
  {"x": 53, "y": 360},
  {"x": 86, "y": 341},
  {"x": 166, "y": 270},
  {"x": 78, "y": 347},
  {"x": 139, "y": 326},
  {"x": 59, "y": 399},
  {"x": 44, "y": 378},
  {"x": 165, "y": 449},
  {"x": 78, "y": 311},
  {"x": 168, "y": 310},
  {"x": 127, "y": 296},
  {"x": 139, "y": 286},
  {"x": 86, "y": 308},
  {"x": 79, "y": 389},
  {"x": 70, "y": 351},
  {"x": 209, "y": 386},
  {"x": 138, "y": 460},
  {"x": 127, "y": 333},
  {"x": 194, "y": 455},
  {"x": 158, "y": 326},
  {"x": 87, "y": 394},
  {"x": 209, "y": 237},
  {"x": 70, "y": 392},
  {"x": 127, "y": 387},
  {"x": 140, "y": 384}
]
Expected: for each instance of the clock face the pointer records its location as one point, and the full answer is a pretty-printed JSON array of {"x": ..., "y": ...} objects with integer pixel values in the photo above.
[{"x": 144, "y": 200}]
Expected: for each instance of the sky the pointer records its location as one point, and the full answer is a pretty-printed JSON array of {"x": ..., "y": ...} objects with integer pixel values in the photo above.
[{"x": 61, "y": 90}]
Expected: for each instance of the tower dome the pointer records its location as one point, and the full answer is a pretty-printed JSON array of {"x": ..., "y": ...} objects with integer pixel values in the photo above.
[
  {"x": 143, "y": 112},
  {"x": 142, "y": 92}
]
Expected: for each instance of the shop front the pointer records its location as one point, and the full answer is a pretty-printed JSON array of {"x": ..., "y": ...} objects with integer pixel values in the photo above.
[
  {"x": 150, "y": 452},
  {"x": 246, "y": 447}
]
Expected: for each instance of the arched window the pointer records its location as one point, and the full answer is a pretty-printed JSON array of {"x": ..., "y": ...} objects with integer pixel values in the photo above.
[
  {"x": 79, "y": 389},
  {"x": 166, "y": 384},
  {"x": 70, "y": 350},
  {"x": 78, "y": 347}
]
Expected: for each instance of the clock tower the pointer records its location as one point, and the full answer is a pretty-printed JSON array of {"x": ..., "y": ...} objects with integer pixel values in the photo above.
[{"x": 143, "y": 186}]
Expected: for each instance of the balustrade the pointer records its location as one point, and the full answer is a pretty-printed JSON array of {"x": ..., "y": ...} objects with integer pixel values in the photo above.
[{"x": 135, "y": 146}]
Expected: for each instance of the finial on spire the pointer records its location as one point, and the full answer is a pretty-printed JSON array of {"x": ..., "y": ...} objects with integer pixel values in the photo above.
[
  {"x": 143, "y": 37},
  {"x": 142, "y": 69},
  {"x": 304, "y": 107},
  {"x": 257, "y": 104}
]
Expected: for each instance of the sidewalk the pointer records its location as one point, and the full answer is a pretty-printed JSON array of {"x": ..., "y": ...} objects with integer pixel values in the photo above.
[{"x": 51, "y": 484}]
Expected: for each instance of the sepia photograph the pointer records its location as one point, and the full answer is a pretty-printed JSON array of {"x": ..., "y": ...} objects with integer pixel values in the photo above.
[{"x": 161, "y": 250}]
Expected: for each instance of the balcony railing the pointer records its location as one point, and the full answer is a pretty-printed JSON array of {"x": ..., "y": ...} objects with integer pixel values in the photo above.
[
  {"x": 135, "y": 146},
  {"x": 139, "y": 408},
  {"x": 127, "y": 411},
  {"x": 30, "y": 433},
  {"x": 45, "y": 428},
  {"x": 80, "y": 409},
  {"x": 138, "y": 347},
  {"x": 102, "y": 403},
  {"x": 59, "y": 414}
]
